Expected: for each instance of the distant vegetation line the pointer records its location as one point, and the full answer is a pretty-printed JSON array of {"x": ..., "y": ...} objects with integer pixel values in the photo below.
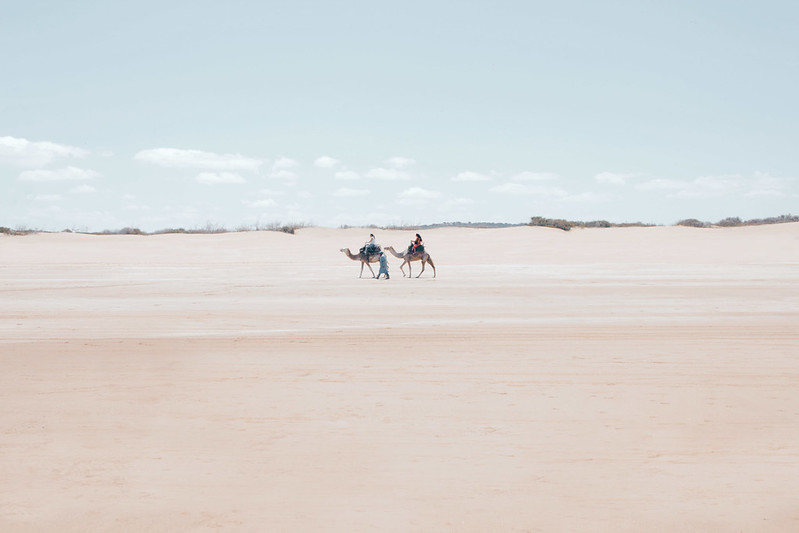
[
  {"x": 566, "y": 225},
  {"x": 558, "y": 223},
  {"x": 208, "y": 229}
]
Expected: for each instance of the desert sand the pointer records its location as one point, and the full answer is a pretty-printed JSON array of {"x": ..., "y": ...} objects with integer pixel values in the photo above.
[{"x": 622, "y": 379}]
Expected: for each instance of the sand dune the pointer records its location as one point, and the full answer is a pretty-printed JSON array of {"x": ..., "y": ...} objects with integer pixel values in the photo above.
[{"x": 623, "y": 379}]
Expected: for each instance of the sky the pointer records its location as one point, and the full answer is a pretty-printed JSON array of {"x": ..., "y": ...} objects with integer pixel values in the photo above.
[{"x": 241, "y": 114}]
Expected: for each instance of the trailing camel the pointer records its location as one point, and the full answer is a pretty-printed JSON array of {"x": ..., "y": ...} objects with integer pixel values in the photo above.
[{"x": 406, "y": 257}]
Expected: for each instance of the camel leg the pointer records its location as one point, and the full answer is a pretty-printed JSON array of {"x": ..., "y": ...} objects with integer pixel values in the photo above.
[
  {"x": 432, "y": 265},
  {"x": 409, "y": 269},
  {"x": 423, "y": 263},
  {"x": 361, "y": 274},
  {"x": 402, "y": 268},
  {"x": 370, "y": 269}
]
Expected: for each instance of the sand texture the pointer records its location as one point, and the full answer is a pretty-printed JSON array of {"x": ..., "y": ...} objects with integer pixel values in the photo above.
[{"x": 622, "y": 379}]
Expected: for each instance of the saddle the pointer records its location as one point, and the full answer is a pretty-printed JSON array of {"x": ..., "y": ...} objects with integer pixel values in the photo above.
[
  {"x": 418, "y": 250},
  {"x": 370, "y": 249}
]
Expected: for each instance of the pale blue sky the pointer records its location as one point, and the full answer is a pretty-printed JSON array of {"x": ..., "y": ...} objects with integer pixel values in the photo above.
[{"x": 183, "y": 114}]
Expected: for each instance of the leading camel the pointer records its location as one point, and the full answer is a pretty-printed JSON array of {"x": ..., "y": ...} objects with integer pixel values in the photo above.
[
  {"x": 424, "y": 257},
  {"x": 363, "y": 258}
]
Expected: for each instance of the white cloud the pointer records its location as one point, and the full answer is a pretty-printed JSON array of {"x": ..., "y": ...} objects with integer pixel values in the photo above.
[
  {"x": 660, "y": 184},
  {"x": 471, "y": 176},
  {"x": 510, "y": 188},
  {"x": 47, "y": 212},
  {"x": 765, "y": 193},
  {"x": 138, "y": 208},
  {"x": 47, "y": 198},
  {"x": 283, "y": 175},
  {"x": 25, "y": 153},
  {"x": 64, "y": 174},
  {"x": 417, "y": 196},
  {"x": 589, "y": 197},
  {"x": 759, "y": 184},
  {"x": 198, "y": 159},
  {"x": 270, "y": 192},
  {"x": 701, "y": 187},
  {"x": 612, "y": 178},
  {"x": 457, "y": 203},
  {"x": 535, "y": 176},
  {"x": 390, "y": 174},
  {"x": 83, "y": 189},
  {"x": 766, "y": 185},
  {"x": 534, "y": 190},
  {"x": 347, "y": 175},
  {"x": 714, "y": 185},
  {"x": 284, "y": 162},
  {"x": 281, "y": 169},
  {"x": 461, "y": 201},
  {"x": 399, "y": 162},
  {"x": 264, "y": 202},
  {"x": 326, "y": 162},
  {"x": 346, "y": 192},
  {"x": 212, "y": 178}
]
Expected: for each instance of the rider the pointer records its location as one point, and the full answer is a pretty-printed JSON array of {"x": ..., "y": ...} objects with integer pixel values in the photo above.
[
  {"x": 416, "y": 245},
  {"x": 370, "y": 246}
]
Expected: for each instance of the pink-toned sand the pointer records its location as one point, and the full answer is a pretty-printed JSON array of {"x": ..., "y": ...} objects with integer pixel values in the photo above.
[{"x": 636, "y": 379}]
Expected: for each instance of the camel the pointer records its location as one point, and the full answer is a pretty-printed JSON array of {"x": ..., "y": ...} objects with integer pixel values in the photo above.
[
  {"x": 424, "y": 257},
  {"x": 363, "y": 258}
]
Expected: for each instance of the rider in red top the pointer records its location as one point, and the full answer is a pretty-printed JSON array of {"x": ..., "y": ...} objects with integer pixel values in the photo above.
[{"x": 417, "y": 244}]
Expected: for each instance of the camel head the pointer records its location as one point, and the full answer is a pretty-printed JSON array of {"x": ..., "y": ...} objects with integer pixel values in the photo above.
[{"x": 346, "y": 251}]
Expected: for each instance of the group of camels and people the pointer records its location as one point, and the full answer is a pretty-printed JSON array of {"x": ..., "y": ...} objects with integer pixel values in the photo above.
[{"x": 371, "y": 252}]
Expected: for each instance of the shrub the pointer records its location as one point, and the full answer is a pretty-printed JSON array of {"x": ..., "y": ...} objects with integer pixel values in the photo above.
[
  {"x": 598, "y": 224},
  {"x": 170, "y": 230},
  {"x": 772, "y": 220},
  {"x": 131, "y": 231},
  {"x": 693, "y": 223},
  {"x": 730, "y": 221},
  {"x": 565, "y": 225}
]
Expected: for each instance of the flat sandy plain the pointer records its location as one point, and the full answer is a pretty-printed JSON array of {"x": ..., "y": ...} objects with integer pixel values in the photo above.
[{"x": 624, "y": 379}]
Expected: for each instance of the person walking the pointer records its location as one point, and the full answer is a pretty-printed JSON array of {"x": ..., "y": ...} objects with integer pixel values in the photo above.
[{"x": 383, "y": 265}]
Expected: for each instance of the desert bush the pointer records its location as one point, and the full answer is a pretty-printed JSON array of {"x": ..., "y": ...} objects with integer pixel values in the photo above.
[
  {"x": 772, "y": 220},
  {"x": 279, "y": 226},
  {"x": 730, "y": 222},
  {"x": 20, "y": 230},
  {"x": 131, "y": 231},
  {"x": 693, "y": 223},
  {"x": 565, "y": 225},
  {"x": 633, "y": 225},
  {"x": 598, "y": 224},
  {"x": 170, "y": 230}
]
